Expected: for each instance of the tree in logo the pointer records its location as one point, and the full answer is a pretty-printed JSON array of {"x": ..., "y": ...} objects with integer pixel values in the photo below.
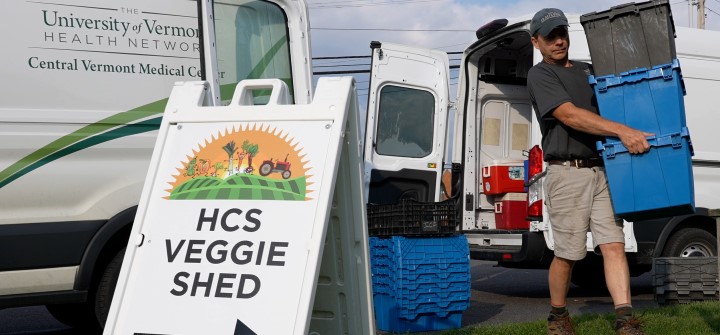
[
  {"x": 251, "y": 150},
  {"x": 190, "y": 169}
]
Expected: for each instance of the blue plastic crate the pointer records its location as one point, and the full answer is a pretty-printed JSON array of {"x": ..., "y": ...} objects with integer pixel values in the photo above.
[
  {"x": 434, "y": 287},
  {"x": 430, "y": 250},
  {"x": 651, "y": 100},
  {"x": 389, "y": 317},
  {"x": 383, "y": 288},
  {"x": 420, "y": 283},
  {"x": 409, "y": 278},
  {"x": 439, "y": 300},
  {"x": 433, "y": 268},
  {"x": 658, "y": 183},
  {"x": 411, "y": 309},
  {"x": 457, "y": 288},
  {"x": 381, "y": 243},
  {"x": 420, "y": 255}
]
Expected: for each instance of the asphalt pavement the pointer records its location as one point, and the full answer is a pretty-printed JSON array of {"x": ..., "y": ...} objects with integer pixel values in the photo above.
[{"x": 498, "y": 295}]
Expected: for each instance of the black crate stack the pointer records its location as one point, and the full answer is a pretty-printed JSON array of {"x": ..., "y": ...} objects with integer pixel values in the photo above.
[{"x": 685, "y": 279}]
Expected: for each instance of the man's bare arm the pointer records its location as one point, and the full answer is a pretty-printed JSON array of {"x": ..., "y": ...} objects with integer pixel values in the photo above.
[{"x": 589, "y": 122}]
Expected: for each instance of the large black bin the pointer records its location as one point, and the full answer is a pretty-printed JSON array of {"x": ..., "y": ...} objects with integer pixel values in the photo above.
[{"x": 630, "y": 36}]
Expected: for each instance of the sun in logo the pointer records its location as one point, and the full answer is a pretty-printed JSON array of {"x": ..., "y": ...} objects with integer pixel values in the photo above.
[{"x": 249, "y": 162}]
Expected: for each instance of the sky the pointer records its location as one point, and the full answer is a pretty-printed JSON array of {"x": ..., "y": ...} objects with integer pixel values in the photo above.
[
  {"x": 346, "y": 27},
  {"x": 451, "y": 24}
]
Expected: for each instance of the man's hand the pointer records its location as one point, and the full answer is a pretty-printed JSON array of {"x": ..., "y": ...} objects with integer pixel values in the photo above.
[{"x": 634, "y": 140}]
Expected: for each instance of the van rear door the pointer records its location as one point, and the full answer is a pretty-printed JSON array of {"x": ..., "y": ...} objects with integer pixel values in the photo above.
[{"x": 406, "y": 123}]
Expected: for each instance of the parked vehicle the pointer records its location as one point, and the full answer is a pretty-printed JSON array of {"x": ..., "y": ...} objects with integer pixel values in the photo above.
[
  {"x": 86, "y": 83},
  {"x": 494, "y": 131}
]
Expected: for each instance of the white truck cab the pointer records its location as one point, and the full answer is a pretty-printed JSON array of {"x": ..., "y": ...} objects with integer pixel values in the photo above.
[{"x": 86, "y": 83}]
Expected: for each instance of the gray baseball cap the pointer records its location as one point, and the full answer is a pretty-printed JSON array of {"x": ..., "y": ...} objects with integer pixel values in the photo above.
[{"x": 546, "y": 20}]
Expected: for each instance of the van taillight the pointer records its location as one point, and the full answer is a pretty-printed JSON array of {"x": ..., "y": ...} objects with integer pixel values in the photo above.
[
  {"x": 535, "y": 209},
  {"x": 535, "y": 164},
  {"x": 535, "y": 196}
]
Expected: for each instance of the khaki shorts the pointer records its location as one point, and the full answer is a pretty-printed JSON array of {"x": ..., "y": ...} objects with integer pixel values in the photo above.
[{"x": 578, "y": 201}]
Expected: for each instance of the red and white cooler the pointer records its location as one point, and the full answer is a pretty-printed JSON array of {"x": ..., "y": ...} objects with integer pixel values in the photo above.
[
  {"x": 503, "y": 177},
  {"x": 511, "y": 211}
]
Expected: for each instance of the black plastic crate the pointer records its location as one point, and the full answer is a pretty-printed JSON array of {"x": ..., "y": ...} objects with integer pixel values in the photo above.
[
  {"x": 685, "y": 279},
  {"x": 630, "y": 36},
  {"x": 410, "y": 217},
  {"x": 684, "y": 269},
  {"x": 669, "y": 297},
  {"x": 709, "y": 288}
]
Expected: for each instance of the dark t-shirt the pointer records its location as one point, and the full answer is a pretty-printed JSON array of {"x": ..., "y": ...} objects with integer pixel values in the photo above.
[{"x": 550, "y": 86}]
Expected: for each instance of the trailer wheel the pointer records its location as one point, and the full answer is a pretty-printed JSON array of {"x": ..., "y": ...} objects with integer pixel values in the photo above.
[
  {"x": 691, "y": 242},
  {"x": 106, "y": 288}
]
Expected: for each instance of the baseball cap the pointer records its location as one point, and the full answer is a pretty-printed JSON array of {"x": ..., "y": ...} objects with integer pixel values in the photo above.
[{"x": 546, "y": 20}]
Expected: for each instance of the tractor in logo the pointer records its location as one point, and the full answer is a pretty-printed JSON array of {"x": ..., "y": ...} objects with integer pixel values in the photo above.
[{"x": 282, "y": 167}]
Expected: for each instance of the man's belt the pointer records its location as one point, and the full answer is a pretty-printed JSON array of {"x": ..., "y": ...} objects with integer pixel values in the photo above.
[{"x": 579, "y": 163}]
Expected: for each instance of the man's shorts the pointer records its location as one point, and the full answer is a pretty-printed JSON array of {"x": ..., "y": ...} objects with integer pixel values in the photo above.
[{"x": 578, "y": 199}]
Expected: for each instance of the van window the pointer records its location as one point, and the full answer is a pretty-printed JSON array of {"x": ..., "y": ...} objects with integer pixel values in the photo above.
[
  {"x": 405, "y": 122},
  {"x": 252, "y": 43}
]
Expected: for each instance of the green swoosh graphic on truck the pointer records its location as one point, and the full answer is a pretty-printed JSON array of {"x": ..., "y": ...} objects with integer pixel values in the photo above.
[
  {"x": 119, "y": 125},
  {"x": 136, "y": 128},
  {"x": 116, "y": 126}
]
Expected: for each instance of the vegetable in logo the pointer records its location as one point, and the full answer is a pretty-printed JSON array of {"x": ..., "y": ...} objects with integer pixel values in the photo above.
[{"x": 252, "y": 162}]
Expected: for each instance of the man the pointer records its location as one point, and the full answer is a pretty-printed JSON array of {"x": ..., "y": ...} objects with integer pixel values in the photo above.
[{"x": 576, "y": 185}]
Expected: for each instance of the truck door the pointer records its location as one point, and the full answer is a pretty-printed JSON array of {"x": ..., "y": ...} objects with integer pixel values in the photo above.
[
  {"x": 406, "y": 123},
  {"x": 257, "y": 39}
]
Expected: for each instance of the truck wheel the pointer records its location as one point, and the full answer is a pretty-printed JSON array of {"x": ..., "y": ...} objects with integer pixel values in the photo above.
[
  {"x": 691, "y": 242},
  {"x": 78, "y": 315},
  {"x": 106, "y": 288}
]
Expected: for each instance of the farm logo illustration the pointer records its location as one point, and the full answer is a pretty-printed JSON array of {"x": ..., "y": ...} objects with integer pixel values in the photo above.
[{"x": 254, "y": 162}]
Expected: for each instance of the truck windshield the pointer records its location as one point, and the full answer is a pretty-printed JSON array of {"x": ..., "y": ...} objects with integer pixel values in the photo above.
[
  {"x": 405, "y": 125},
  {"x": 252, "y": 43}
]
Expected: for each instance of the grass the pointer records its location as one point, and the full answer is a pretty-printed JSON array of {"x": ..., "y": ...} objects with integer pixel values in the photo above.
[{"x": 693, "y": 319}]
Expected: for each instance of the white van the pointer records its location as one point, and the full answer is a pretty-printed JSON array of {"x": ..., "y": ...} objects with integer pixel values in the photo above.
[
  {"x": 85, "y": 86},
  {"x": 495, "y": 127}
]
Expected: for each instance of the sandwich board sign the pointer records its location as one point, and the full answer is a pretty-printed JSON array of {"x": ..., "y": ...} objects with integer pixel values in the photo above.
[{"x": 233, "y": 219}]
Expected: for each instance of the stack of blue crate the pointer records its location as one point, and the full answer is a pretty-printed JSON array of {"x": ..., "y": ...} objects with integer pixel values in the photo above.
[
  {"x": 419, "y": 283},
  {"x": 650, "y": 98}
]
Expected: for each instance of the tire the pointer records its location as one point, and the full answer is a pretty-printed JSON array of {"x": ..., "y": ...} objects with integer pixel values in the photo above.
[
  {"x": 691, "y": 242},
  {"x": 286, "y": 174},
  {"x": 265, "y": 169},
  {"x": 106, "y": 287},
  {"x": 80, "y": 316}
]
